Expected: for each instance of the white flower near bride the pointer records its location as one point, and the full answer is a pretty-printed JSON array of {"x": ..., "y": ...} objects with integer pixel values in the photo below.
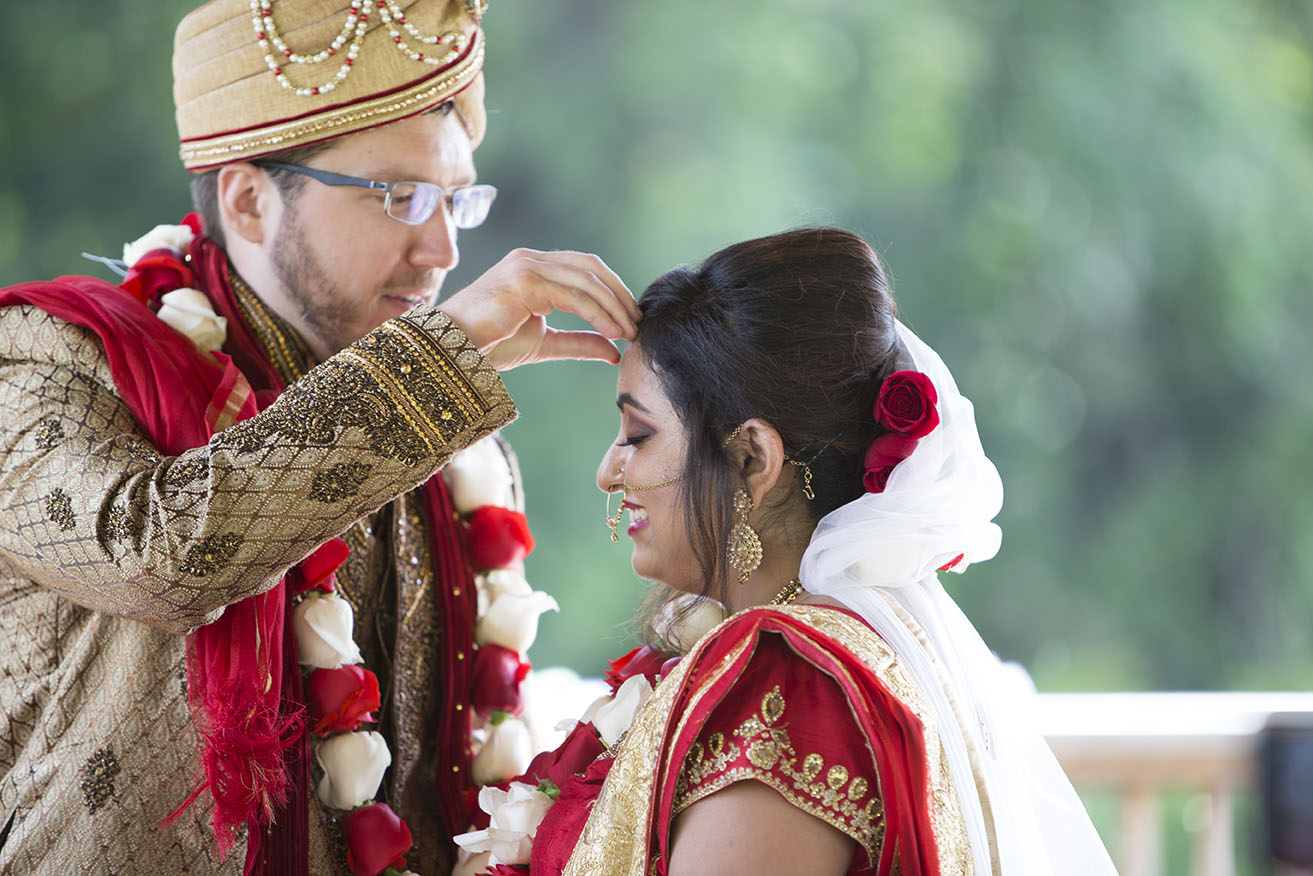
[
  {"x": 685, "y": 619},
  {"x": 512, "y": 620},
  {"x": 479, "y": 475},
  {"x": 174, "y": 237},
  {"x": 514, "y": 816},
  {"x": 506, "y": 753},
  {"x": 189, "y": 312},
  {"x": 353, "y": 764},
  {"x": 323, "y": 627},
  {"x": 613, "y": 715}
]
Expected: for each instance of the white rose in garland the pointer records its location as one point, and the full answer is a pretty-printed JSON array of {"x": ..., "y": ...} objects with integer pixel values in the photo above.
[
  {"x": 506, "y": 753},
  {"x": 353, "y": 765},
  {"x": 189, "y": 312},
  {"x": 500, "y": 581},
  {"x": 612, "y": 715},
  {"x": 512, "y": 620},
  {"x": 514, "y": 816},
  {"x": 479, "y": 475},
  {"x": 174, "y": 237},
  {"x": 323, "y": 626}
]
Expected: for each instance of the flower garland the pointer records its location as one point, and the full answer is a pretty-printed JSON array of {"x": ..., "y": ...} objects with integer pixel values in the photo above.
[
  {"x": 513, "y": 811},
  {"x": 340, "y": 694},
  {"x": 156, "y": 261}
]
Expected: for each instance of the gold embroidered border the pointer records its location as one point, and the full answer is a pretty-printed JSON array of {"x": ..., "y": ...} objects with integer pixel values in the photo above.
[
  {"x": 871, "y": 839},
  {"x": 199, "y": 154},
  {"x": 290, "y": 357},
  {"x": 951, "y": 842},
  {"x": 769, "y": 746}
]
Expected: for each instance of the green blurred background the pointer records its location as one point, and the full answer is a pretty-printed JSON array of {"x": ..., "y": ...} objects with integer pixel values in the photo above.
[{"x": 1095, "y": 211}]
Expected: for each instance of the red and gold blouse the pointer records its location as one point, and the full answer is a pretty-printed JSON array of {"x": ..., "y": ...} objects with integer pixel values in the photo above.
[{"x": 805, "y": 699}]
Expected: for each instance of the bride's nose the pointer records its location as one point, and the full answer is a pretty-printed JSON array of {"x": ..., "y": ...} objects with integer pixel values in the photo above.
[{"x": 610, "y": 473}]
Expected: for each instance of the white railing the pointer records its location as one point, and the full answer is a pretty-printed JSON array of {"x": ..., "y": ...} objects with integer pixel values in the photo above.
[{"x": 1141, "y": 745}]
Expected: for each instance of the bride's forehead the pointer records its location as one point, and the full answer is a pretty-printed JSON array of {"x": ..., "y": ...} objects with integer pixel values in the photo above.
[{"x": 638, "y": 380}]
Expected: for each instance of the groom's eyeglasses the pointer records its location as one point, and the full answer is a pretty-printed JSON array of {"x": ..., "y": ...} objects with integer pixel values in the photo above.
[{"x": 413, "y": 203}]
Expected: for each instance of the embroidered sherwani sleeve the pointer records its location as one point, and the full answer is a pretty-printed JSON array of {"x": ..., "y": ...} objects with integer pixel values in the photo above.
[{"x": 90, "y": 509}]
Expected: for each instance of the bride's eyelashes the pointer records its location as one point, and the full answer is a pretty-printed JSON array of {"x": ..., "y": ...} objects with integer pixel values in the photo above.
[{"x": 633, "y": 441}]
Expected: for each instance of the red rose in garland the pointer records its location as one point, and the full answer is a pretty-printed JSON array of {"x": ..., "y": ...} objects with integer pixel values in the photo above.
[
  {"x": 376, "y": 838},
  {"x": 640, "y": 661},
  {"x": 559, "y": 831},
  {"x": 498, "y": 673},
  {"x": 318, "y": 571},
  {"x": 498, "y": 537},
  {"x": 884, "y": 453},
  {"x": 156, "y": 272},
  {"x": 906, "y": 404},
  {"x": 340, "y": 699},
  {"x": 571, "y": 758}
]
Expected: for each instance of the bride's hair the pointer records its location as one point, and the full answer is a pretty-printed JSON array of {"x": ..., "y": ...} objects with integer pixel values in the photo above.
[{"x": 797, "y": 329}]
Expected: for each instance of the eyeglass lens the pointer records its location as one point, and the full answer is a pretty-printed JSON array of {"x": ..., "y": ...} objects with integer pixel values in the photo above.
[{"x": 414, "y": 203}]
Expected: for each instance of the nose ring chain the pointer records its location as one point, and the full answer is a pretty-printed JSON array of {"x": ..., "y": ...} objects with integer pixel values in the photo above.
[{"x": 613, "y": 520}]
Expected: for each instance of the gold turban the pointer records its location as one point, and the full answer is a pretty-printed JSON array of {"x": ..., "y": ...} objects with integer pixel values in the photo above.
[{"x": 253, "y": 77}]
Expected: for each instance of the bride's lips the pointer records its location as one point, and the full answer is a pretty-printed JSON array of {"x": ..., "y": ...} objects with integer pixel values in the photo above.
[{"x": 638, "y": 519}]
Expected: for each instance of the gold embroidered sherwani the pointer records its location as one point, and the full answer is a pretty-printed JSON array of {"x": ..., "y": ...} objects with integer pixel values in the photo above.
[{"x": 110, "y": 553}]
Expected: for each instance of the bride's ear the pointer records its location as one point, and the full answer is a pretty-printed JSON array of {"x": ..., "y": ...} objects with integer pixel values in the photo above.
[{"x": 757, "y": 457}]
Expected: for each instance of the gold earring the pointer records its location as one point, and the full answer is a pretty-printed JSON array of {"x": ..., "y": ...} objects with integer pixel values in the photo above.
[{"x": 744, "y": 548}]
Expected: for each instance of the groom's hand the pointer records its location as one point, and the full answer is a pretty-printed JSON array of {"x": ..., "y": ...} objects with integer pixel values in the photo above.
[{"x": 504, "y": 311}]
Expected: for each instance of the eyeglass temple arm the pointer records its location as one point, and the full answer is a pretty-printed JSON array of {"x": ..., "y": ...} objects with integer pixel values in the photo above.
[{"x": 328, "y": 178}]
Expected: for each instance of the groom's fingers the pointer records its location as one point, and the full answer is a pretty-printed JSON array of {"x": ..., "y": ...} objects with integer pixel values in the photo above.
[{"x": 558, "y": 344}]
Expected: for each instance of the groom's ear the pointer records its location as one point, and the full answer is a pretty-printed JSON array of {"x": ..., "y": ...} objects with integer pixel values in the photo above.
[{"x": 757, "y": 457}]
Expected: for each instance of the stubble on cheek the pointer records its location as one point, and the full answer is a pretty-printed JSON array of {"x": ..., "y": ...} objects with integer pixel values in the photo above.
[{"x": 324, "y": 309}]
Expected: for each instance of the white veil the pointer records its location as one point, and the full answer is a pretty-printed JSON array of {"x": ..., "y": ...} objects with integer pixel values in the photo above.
[{"x": 878, "y": 555}]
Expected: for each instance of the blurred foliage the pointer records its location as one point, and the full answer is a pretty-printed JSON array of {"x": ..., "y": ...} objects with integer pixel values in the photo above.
[{"x": 1091, "y": 209}]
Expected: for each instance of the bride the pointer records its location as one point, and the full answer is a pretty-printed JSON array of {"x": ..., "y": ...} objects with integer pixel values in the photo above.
[{"x": 792, "y": 451}]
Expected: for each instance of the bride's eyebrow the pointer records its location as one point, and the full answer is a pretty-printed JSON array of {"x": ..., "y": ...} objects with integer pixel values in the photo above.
[{"x": 627, "y": 399}]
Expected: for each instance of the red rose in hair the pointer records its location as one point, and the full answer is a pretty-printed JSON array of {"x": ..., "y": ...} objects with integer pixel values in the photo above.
[
  {"x": 157, "y": 272},
  {"x": 640, "y": 661},
  {"x": 498, "y": 537},
  {"x": 339, "y": 699},
  {"x": 376, "y": 838},
  {"x": 496, "y": 683},
  {"x": 571, "y": 758},
  {"x": 884, "y": 453},
  {"x": 906, "y": 404}
]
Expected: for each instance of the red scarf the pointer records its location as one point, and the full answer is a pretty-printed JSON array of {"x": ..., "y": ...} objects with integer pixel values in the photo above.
[{"x": 244, "y": 684}]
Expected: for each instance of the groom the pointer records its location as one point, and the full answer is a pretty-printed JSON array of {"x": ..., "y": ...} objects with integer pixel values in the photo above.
[{"x": 160, "y": 504}]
